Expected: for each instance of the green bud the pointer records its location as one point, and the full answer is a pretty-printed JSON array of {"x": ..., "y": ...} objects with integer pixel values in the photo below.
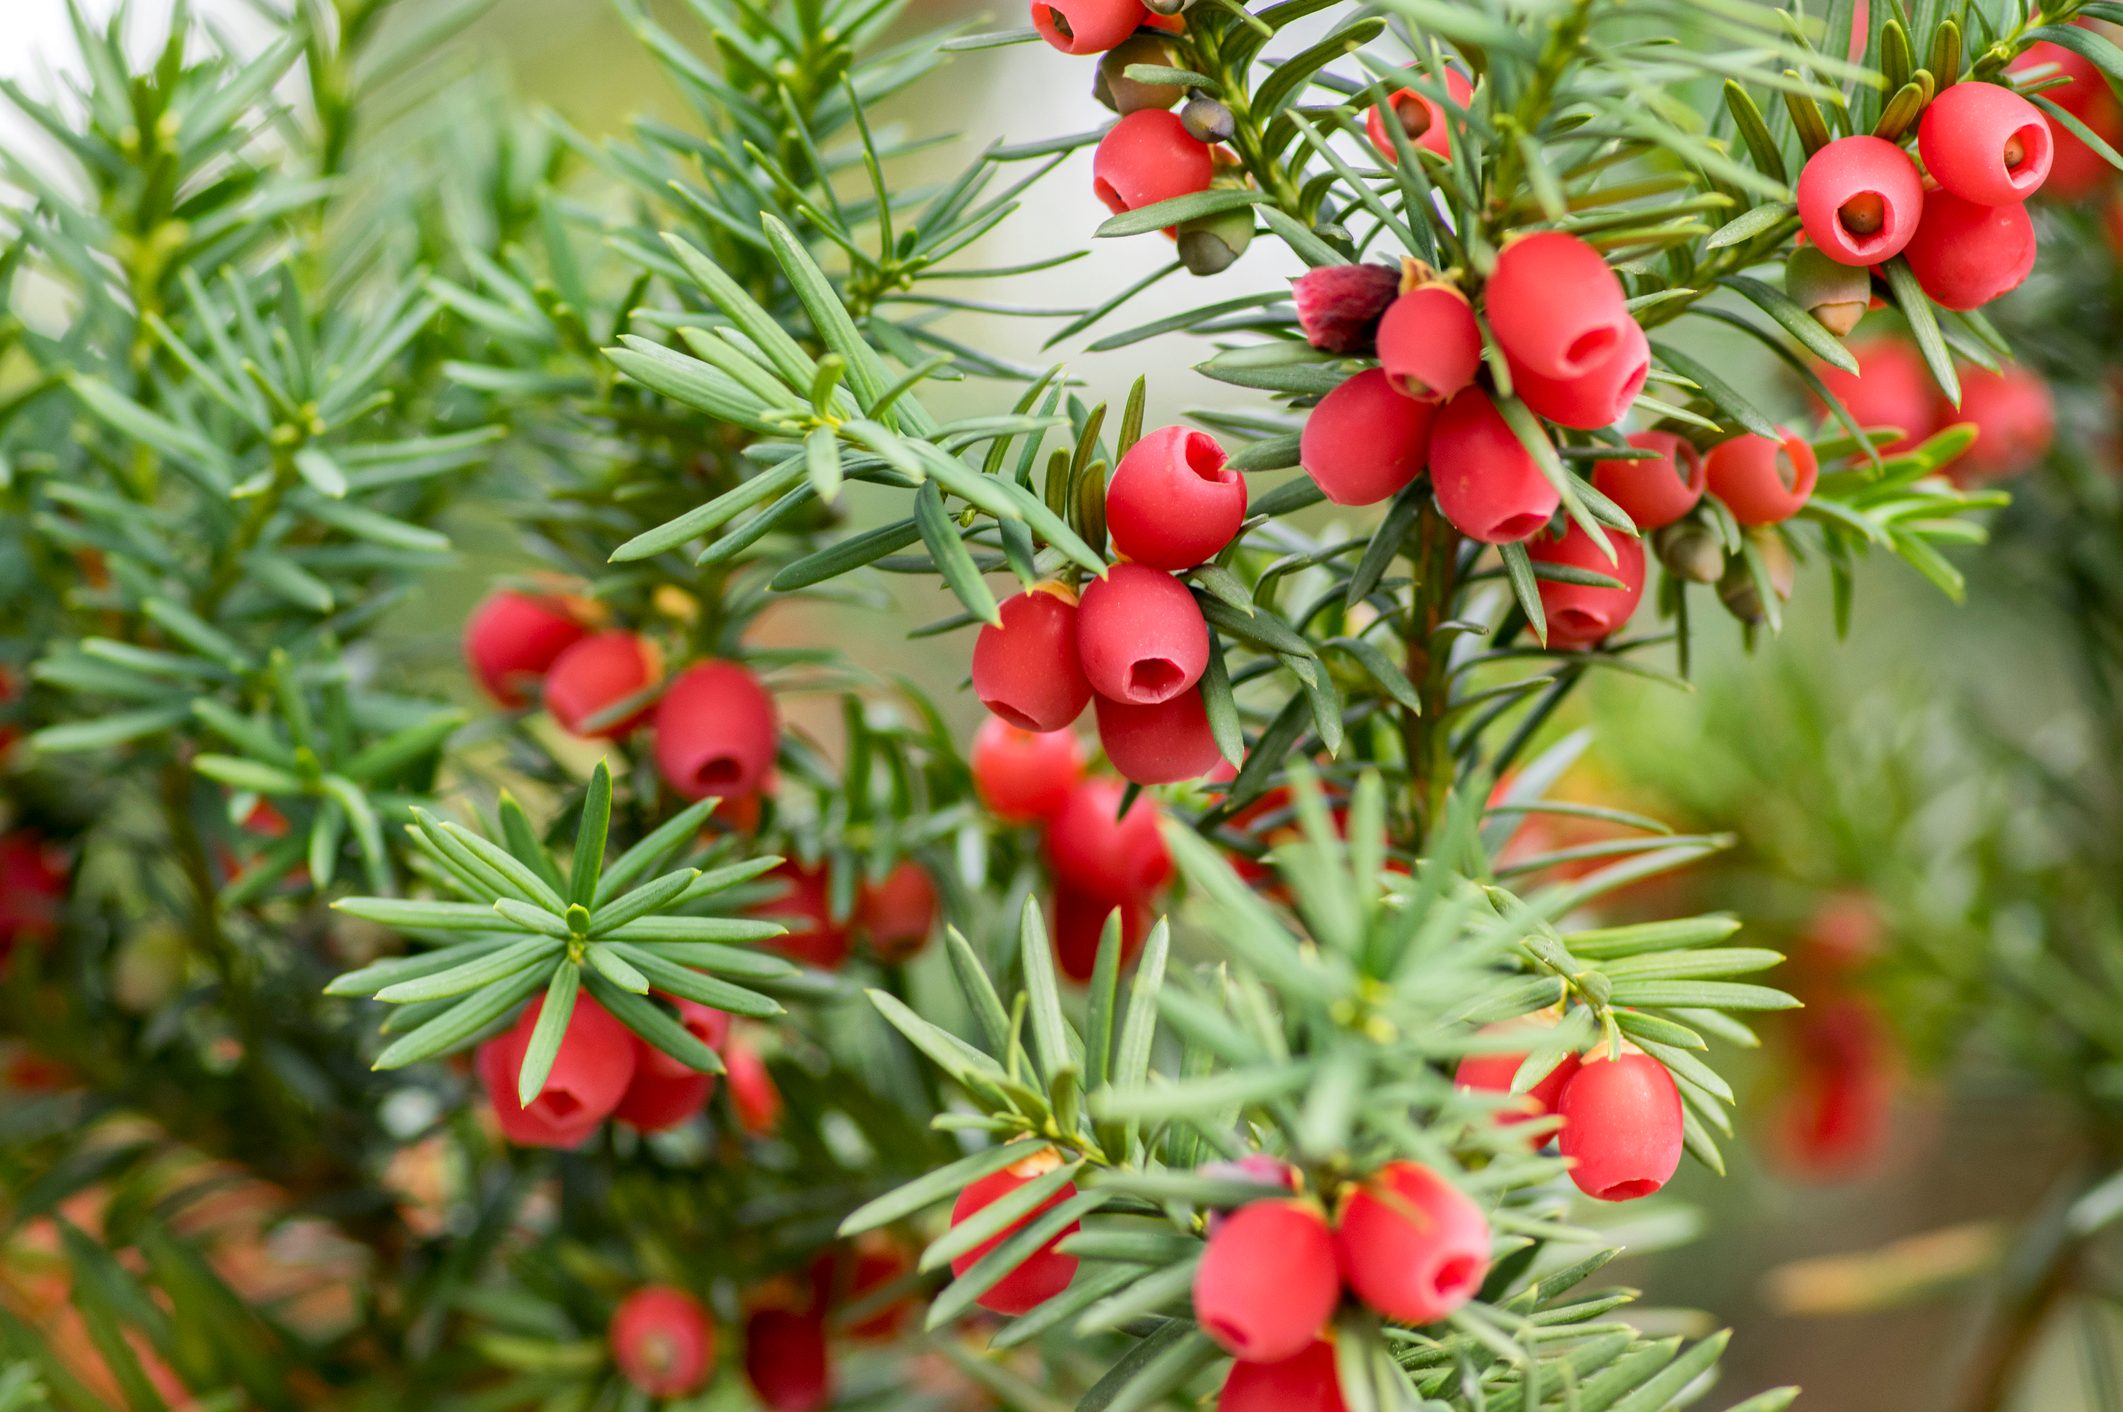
[
  {"x": 1167, "y": 7},
  {"x": 1112, "y": 86},
  {"x": 1209, "y": 245},
  {"x": 1836, "y": 295},
  {"x": 1690, "y": 551},
  {"x": 1738, "y": 591}
]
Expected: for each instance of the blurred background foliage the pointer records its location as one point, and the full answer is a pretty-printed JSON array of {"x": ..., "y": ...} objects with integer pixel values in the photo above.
[{"x": 1918, "y": 805}]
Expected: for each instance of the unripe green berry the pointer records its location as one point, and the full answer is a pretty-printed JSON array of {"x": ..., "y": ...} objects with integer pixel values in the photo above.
[
  {"x": 1690, "y": 550},
  {"x": 1125, "y": 95},
  {"x": 1836, "y": 295},
  {"x": 1208, "y": 120},
  {"x": 1209, "y": 245}
]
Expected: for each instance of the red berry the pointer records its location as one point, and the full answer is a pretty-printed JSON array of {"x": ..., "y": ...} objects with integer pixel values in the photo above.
[
  {"x": 1429, "y": 343},
  {"x": 1094, "y": 849},
  {"x": 1339, "y": 306},
  {"x": 1860, "y": 199},
  {"x": 1839, "y": 1097},
  {"x": 1086, "y": 26},
  {"x": 32, "y": 890},
  {"x": 1579, "y": 614},
  {"x": 512, "y": 638},
  {"x": 878, "y": 1261},
  {"x": 1148, "y": 157},
  {"x": 597, "y": 674},
  {"x": 1044, "y": 1273},
  {"x": 1761, "y": 481},
  {"x": 2075, "y": 169},
  {"x": 754, "y": 1095},
  {"x": 1365, "y": 442},
  {"x": 1596, "y": 398},
  {"x": 663, "y": 1341},
  {"x": 1024, "y": 775},
  {"x": 1621, "y": 1126},
  {"x": 1487, "y": 483},
  {"x": 1267, "y": 1281},
  {"x": 717, "y": 732},
  {"x": 1080, "y": 925},
  {"x": 1654, "y": 493},
  {"x": 1891, "y": 388},
  {"x": 1173, "y": 502},
  {"x": 664, "y": 1092},
  {"x": 2015, "y": 421},
  {"x": 1411, "y": 1245},
  {"x": 787, "y": 1360},
  {"x": 1554, "y": 305},
  {"x": 1141, "y": 636},
  {"x": 590, "y": 1075},
  {"x": 898, "y": 913},
  {"x": 1965, "y": 255},
  {"x": 814, "y": 937},
  {"x": 1306, "y": 1383},
  {"x": 1160, "y": 744},
  {"x": 10, "y": 691},
  {"x": 1421, "y": 117},
  {"x": 1028, "y": 671},
  {"x": 1985, "y": 143},
  {"x": 1493, "y": 1073}
]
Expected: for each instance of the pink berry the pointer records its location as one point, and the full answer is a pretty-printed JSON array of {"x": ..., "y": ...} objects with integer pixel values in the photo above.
[
  {"x": 590, "y": 1075},
  {"x": 788, "y": 1360},
  {"x": 1044, "y": 1273},
  {"x": 899, "y": 912},
  {"x": 1308, "y": 1382},
  {"x": 1985, "y": 143},
  {"x": 1429, "y": 343},
  {"x": 1080, "y": 925},
  {"x": 2075, "y": 169},
  {"x": 1163, "y": 743},
  {"x": 597, "y": 674},
  {"x": 1148, "y": 157},
  {"x": 1654, "y": 493},
  {"x": 1891, "y": 388},
  {"x": 1411, "y": 1245},
  {"x": 1095, "y": 849},
  {"x": 2014, "y": 417},
  {"x": 717, "y": 732},
  {"x": 1365, "y": 442},
  {"x": 1487, "y": 483},
  {"x": 1860, "y": 199},
  {"x": 1267, "y": 1281},
  {"x": 512, "y": 638},
  {"x": 663, "y": 1341},
  {"x": 1028, "y": 671},
  {"x": 665, "y": 1092},
  {"x": 1578, "y": 614},
  {"x": 1086, "y": 26},
  {"x": 1338, "y": 306},
  {"x": 1421, "y": 117},
  {"x": 1493, "y": 1073},
  {"x": 1596, "y": 398},
  {"x": 1174, "y": 501},
  {"x": 1023, "y": 776},
  {"x": 1141, "y": 636},
  {"x": 1554, "y": 305},
  {"x": 1965, "y": 255},
  {"x": 814, "y": 937},
  {"x": 1762, "y": 481},
  {"x": 1621, "y": 1126}
]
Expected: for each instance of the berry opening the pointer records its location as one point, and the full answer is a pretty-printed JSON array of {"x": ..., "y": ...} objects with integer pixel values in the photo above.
[
  {"x": 2027, "y": 155},
  {"x": 1516, "y": 527},
  {"x": 1106, "y": 193},
  {"x": 718, "y": 770},
  {"x": 1413, "y": 112},
  {"x": 1591, "y": 346},
  {"x": 1627, "y": 1191},
  {"x": 1787, "y": 470},
  {"x": 1057, "y": 19},
  {"x": 1456, "y": 1277},
  {"x": 1153, "y": 679},
  {"x": 1863, "y": 215},
  {"x": 558, "y": 1104},
  {"x": 1010, "y": 715},
  {"x": 1206, "y": 459},
  {"x": 1230, "y": 1335},
  {"x": 1578, "y": 622}
]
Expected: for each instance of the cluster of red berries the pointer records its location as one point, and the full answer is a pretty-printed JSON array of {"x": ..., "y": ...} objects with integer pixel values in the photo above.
[
  {"x": 894, "y": 916},
  {"x": 1103, "y": 861},
  {"x": 2012, "y": 411},
  {"x": 32, "y": 891},
  {"x": 1621, "y": 1122},
  {"x": 1136, "y": 642},
  {"x": 663, "y": 1338},
  {"x": 717, "y": 730},
  {"x": 1967, "y": 236},
  {"x": 604, "y": 1070}
]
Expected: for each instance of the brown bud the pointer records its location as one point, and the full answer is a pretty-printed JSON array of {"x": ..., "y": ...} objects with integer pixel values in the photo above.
[
  {"x": 1125, "y": 95},
  {"x": 1208, "y": 120},
  {"x": 1836, "y": 295},
  {"x": 1690, "y": 551}
]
